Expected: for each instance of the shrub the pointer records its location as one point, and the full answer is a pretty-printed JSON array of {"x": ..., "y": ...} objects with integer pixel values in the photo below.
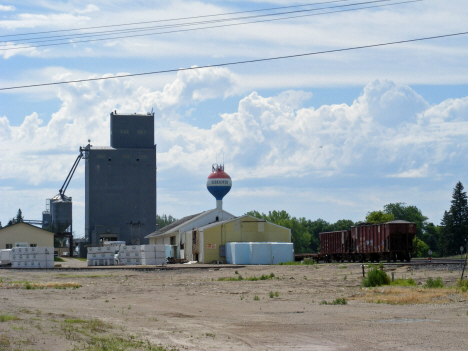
[
  {"x": 437, "y": 283},
  {"x": 462, "y": 283},
  {"x": 375, "y": 277}
]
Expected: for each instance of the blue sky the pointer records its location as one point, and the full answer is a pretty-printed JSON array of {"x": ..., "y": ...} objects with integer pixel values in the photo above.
[{"x": 330, "y": 136}]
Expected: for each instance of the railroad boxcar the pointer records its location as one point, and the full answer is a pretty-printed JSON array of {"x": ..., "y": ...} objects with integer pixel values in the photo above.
[
  {"x": 335, "y": 245},
  {"x": 389, "y": 241}
]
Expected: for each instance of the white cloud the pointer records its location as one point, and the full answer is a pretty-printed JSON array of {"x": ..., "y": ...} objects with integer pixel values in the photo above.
[
  {"x": 13, "y": 49},
  {"x": 389, "y": 132},
  {"x": 89, "y": 8},
  {"x": 7, "y": 8}
]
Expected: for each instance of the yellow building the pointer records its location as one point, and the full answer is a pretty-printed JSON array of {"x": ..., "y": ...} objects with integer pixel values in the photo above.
[
  {"x": 25, "y": 233},
  {"x": 209, "y": 241}
]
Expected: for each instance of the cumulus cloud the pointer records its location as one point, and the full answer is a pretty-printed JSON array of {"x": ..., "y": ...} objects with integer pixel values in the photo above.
[
  {"x": 7, "y": 8},
  {"x": 388, "y": 131}
]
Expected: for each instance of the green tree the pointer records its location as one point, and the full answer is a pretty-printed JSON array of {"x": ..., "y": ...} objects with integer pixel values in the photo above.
[
  {"x": 422, "y": 248},
  {"x": 459, "y": 216},
  {"x": 342, "y": 224},
  {"x": 431, "y": 236},
  {"x": 57, "y": 242},
  {"x": 379, "y": 217},
  {"x": 315, "y": 228},
  {"x": 19, "y": 216},
  {"x": 300, "y": 235},
  {"x": 164, "y": 220},
  {"x": 411, "y": 214},
  {"x": 446, "y": 238}
]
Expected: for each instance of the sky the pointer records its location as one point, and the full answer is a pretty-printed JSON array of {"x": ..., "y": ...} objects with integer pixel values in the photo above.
[{"x": 329, "y": 136}]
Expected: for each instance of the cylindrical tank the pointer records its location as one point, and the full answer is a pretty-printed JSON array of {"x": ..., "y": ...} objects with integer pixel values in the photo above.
[
  {"x": 61, "y": 213},
  {"x": 219, "y": 184}
]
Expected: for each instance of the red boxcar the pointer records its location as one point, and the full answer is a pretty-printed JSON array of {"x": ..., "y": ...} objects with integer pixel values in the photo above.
[
  {"x": 370, "y": 242},
  {"x": 335, "y": 245}
]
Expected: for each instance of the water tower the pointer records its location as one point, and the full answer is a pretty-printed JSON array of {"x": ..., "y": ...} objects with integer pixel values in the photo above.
[{"x": 218, "y": 183}]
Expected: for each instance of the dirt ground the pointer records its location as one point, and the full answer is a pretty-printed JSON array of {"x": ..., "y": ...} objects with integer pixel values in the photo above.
[{"x": 190, "y": 309}]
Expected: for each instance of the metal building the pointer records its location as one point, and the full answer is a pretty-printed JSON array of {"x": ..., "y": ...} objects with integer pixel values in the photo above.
[{"x": 120, "y": 189}]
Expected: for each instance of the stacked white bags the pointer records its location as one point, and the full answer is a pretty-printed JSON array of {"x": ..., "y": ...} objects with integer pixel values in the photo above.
[
  {"x": 32, "y": 257},
  {"x": 129, "y": 255},
  {"x": 101, "y": 255},
  {"x": 153, "y": 254}
]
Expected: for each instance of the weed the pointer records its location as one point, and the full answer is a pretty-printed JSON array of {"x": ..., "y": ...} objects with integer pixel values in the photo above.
[
  {"x": 253, "y": 278},
  {"x": 375, "y": 277},
  {"x": 404, "y": 282},
  {"x": 28, "y": 286},
  {"x": 340, "y": 301},
  {"x": 7, "y": 317},
  {"x": 236, "y": 272},
  {"x": 210, "y": 335},
  {"x": 242, "y": 297},
  {"x": 345, "y": 277},
  {"x": 437, "y": 283},
  {"x": 271, "y": 294},
  {"x": 256, "y": 298},
  {"x": 107, "y": 300},
  {"x": 276, "y": 294}
]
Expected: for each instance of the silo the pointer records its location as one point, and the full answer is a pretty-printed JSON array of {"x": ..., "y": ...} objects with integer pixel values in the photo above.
[{"x": 61, "y": 213}]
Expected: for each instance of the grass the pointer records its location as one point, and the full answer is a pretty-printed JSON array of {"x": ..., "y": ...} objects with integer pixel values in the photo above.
[
  {"x": 106, "y": 343},
  {"x": 256, "y": 298},
  {"x": 93, "y": 325},
  {"x": 337, "y": 301},
  {"x": 396, "y": 295},
  {"x": 253, "y": 278},
  {"x": 375, "y": 277},
  {"x": 7, "y": 317},
  {"x": 437, "y": 283},
  {"x": 58, "y": 259},
  {"x": 306, "y": 261},
  {"x": 404, "y": 282},
  {"x": 31, "y": 286},
  {"x": 84, "y": 276}
]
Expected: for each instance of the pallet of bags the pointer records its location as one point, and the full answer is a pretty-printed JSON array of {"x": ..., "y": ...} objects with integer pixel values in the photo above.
[
  {"x": 129, "y": 255},
  {"x": 100, "y": 256},
  {"x": 153, "y": 254},
  {"x": 39, "y": 257}
]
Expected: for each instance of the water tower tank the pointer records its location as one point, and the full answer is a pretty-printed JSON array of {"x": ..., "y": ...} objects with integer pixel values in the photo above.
[
  {"x": 61, "y": 213},
  {"x": 218, "y": 183}
]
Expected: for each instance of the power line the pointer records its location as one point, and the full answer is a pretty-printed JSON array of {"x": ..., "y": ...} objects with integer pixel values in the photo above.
[
  {"x": 210, "y": 27},
  {"x": 240, "y": 62},
  {"x": 173, "y": 19},
  {"x": 110, "y": 32}
]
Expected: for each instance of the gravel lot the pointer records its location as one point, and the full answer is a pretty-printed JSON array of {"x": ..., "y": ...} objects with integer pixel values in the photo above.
[{"x": 190, "y": 309}]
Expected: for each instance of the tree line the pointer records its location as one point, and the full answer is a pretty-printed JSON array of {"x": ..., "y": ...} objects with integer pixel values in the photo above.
[{"x": 442, "y": 240}]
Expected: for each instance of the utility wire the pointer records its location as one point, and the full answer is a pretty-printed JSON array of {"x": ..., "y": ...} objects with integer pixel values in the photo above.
[
  {"x": 209, "y": 27},
  {"x": 173, "y": 19},
  {"x": 240, "y": 62},
  {"x": 109, "y": 32},
  {"x": 175, "y": 25}
]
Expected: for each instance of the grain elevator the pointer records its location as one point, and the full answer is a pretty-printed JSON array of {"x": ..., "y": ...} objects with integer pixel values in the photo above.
[{"x": 120, "y": 182}]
